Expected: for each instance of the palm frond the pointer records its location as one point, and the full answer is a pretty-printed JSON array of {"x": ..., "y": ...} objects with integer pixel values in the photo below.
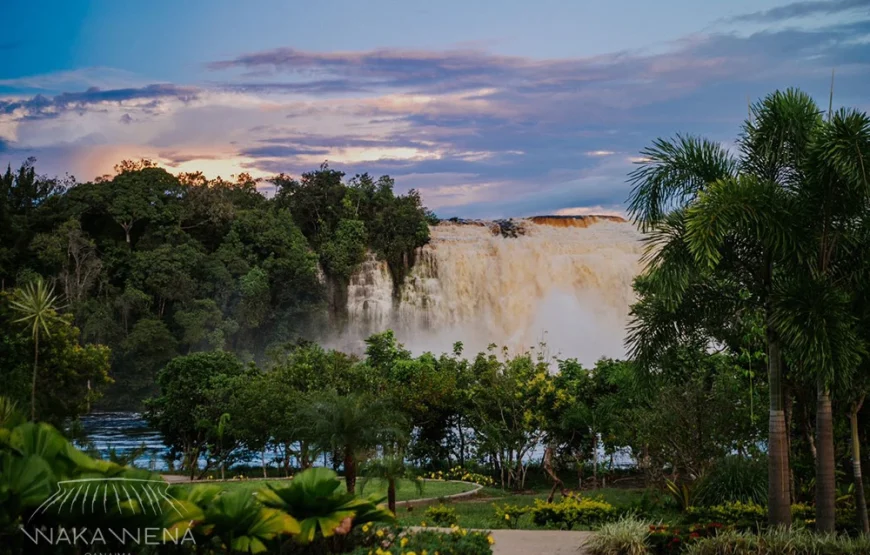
[
  {"x": 758, "y": 210},
  {"x": 671, "y": 173},
  {"x": 815, "y": 320},
  {"x": 776, "y": 138}
]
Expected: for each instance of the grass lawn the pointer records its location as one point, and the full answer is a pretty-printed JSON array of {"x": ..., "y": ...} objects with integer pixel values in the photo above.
[
  {"x": 406, "y": 490},
  {"x": 480, "y": 513}
]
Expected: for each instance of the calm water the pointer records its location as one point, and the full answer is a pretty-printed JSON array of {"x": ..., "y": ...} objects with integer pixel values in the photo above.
[{"x": 126, "y": 431}]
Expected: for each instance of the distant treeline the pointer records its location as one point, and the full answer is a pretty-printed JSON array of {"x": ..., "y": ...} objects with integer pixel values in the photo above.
[{"x": 154, "y": 265}]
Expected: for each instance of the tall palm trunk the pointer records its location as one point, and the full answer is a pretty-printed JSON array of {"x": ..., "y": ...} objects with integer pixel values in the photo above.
[
  {"x": 860, "y": 502},
  {"x": 349, "y": 471},
  {"x": 779, "y": 507},
  {"x": 825, "y": 483},
  {"x": 33, "y": 384},
  {"x": 391, "y": 495}
]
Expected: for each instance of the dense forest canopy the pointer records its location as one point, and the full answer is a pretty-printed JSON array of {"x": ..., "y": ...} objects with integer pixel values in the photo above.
[{"x": 154, "y": 265}]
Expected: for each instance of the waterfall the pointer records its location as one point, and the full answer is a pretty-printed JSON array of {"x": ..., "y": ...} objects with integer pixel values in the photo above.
[{"x": 563, "y": 281}]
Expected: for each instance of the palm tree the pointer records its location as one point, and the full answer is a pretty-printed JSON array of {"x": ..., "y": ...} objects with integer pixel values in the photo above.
[
  {"x": 802, "y": 202},
  {"x": 36, "y": 305},
  {"x": 674, "y": 177},
  {"x": 349, "y": 425},
  {"x": 389, "y": 469}
]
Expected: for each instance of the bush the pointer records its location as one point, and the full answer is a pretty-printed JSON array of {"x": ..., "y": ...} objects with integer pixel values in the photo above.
[
  {"x": 442, "y": 516},
  {"x": 779, "y": 542},
  {"x": 746, "y": 516},
  {"x": 735, "y": 478},
  {"x": 457, "y": 542},
  {"x": 459, "y": 473},
  {"x": 510, "y": 514},
  {"x": 665, "y": 540},
  {"x": 571, "y": 511},
  {"x": 626, "y": 536}
]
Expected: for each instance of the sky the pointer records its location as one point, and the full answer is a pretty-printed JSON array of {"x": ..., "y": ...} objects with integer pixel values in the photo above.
[{"x": 490, "y": 108}]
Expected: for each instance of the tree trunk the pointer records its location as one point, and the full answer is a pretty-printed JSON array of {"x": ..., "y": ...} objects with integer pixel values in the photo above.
[
  {"x": 548, "y": 468},
  {"x": 779, "y": 508},
  {"x": 594, "y": 460},
  {"x": 826, "y": 493},
  {"x": 349, "y": 471},
  {"x": 35, "y": 369},
  {"x": 860, "y": 502},
  {"x": 391, "y": 495},
  {"x": 263, "y": 455}
]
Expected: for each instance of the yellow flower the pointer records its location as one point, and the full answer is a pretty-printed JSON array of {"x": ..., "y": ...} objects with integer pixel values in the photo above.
[
  {"x": 423, "y": 524},
  {"x": 490, "y": 539},
  {"x": 380, "y": 533},
  {"x": 366, "y": 527},
  {"x": 410, "y": 553},
  {"x": 404, "y": 542},
  {"x": 507, "y": 516}
]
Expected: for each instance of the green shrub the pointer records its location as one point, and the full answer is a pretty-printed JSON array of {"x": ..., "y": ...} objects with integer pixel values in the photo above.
[
  {"x": 734, "y": 478},
  {"x": 801, "y": 512},
  {"x": 779, "y": 542},
  {"x": 626, "y": 536},
  {"x": 571, "y": 511},
  {"x": 665, "y": 540},
  {"x": 463, "y": 475},
  {"x": 510, "y": 514},
  {"x": 457, "y": 542},
  {"x": 442, "y": 516},
  {"x": 737, "y": 514}
]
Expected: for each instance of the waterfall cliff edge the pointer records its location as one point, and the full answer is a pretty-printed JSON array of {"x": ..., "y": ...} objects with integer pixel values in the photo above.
[{"x": 565, "y": 281}]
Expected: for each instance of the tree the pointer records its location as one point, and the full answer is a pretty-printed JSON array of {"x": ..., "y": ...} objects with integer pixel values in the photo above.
[
  {"x": 73, "y": 255},
  {"x": 139, "y": 193},
  {"x": 195, "y": 391},
  {"x": 506, "y": 422},
  {"x": 36, "y": 305},
  {"x": 71, "y": 375},
  {"x": 806, "y": 192},
  {"x": 390, "y": 469},
  {"x": 350, "y": 425},
  {"x": 741, "y": 226}
]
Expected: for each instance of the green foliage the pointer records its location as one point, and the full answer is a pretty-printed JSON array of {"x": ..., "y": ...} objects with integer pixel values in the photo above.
[
  {"x": 459, "y": 473},
  {"x": 664, "y": 539},
  {"x": 738, "y": 514},
  {"x": 779, "y": 542},
  {"x": 510, "y": 514},
  {"x": 457, "y": 542},
  {"x": 316, "y": 500},
  {"x": 69, "y": 376},
  {"x": 684, "y": 494},
  {"x": 572, "y": 511},
  {"x": 345, "y": 250},
  {"x": 441, "y": 515},
  {"x": 153, "y": 265},
  {"x": 734, "y": 478},
  {"x": 195, "y": 391},
  {"x": 626, "y": 536}
]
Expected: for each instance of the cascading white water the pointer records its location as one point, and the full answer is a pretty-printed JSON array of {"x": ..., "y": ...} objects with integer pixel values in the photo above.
[{"x": 564, "y": 282}]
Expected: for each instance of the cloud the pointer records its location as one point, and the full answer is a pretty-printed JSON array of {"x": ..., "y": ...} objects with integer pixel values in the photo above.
[
  {"x": 84, "y": 78},
  {"x": 41, "y": 106},
  {"x": 803, "y": 9},
  {"x": 480, "y": 134}
]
